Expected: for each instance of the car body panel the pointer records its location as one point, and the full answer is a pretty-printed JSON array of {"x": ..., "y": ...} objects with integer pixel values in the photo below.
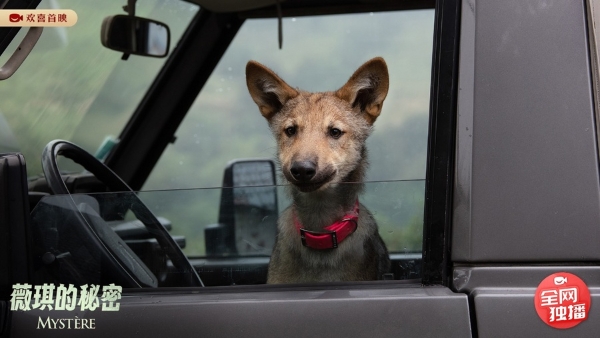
[
  {"x": 342, "y": 311},
  {"x": 503, "y": 299},
  {"x": 527, "y": 183}
]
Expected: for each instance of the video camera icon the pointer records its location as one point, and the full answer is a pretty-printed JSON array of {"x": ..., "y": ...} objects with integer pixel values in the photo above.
[
  {"x": 14, "y": 17},
  {"x": 560, "y": 280}
]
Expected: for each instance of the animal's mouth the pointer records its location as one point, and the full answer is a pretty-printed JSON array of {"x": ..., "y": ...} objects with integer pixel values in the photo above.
[{"x": 314, "y": 184}]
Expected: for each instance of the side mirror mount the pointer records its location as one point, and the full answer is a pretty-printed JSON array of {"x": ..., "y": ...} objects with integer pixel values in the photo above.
[
  {"x": 248, "y": 210},
  {"x": 135, "y": 35}
]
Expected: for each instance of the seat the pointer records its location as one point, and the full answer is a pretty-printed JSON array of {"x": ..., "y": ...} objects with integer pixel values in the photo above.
[{"x": 14, "y": 222}]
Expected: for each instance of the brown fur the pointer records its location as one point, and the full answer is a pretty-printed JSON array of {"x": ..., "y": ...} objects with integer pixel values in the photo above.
[{"x": 325, "y": 169}]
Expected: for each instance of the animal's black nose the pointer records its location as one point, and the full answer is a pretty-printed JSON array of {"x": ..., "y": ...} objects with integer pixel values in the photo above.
[{"x": 303, "y": 171}]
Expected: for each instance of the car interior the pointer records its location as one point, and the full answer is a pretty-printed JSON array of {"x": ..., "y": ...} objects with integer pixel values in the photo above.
[{"x": 178, "y": 199}]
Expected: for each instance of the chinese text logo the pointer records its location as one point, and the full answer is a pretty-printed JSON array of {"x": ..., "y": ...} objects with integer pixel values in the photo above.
[
  {"x": 25, "y": 297},
  {"x": 562, "y": 300}
]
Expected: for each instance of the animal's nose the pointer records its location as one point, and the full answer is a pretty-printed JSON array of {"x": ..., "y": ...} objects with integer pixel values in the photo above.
[{"x": 303, "y": 171}]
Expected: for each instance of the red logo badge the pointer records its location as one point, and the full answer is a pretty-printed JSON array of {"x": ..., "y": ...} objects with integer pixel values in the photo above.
[
  {"x": 14, "y": 17},
  {"x": 562, "y": 300}
]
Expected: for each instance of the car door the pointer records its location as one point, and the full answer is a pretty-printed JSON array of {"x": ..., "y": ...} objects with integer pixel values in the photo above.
[
  {"x": 526, "y": 193},
  {"x": 406, "y": 306}
]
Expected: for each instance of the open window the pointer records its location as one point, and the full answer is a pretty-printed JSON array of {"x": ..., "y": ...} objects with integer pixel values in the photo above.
[
  {"x": 190, "y": 187},
  {"x": 186, "y": 186},
  {"x": 224, "y": 124}
]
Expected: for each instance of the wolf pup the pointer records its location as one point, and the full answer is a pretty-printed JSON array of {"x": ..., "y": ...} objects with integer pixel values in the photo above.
[{"x": 326, "y": 234}]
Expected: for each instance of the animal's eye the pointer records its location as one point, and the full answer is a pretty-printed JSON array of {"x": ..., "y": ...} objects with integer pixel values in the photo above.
[
  {"x": 290, "y": 131},
  {"x": 335, "y": 133}
]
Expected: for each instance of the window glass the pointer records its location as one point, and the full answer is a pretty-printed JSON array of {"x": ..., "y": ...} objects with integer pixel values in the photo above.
[
  {"x": 319, "y": 54},
  {"x": 82, "y": 239},
  {"x": 71, "y": 87}
]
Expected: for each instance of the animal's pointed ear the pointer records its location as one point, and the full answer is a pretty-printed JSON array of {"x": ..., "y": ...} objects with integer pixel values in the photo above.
[
  {"x": 267, "y": 89},
  {"x": 367, "y": 88}
]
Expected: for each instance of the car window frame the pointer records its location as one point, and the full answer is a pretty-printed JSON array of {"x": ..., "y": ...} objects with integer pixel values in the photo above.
[
  {"x": 441, "y": 150},
  {"x": 206, "y": 40}
]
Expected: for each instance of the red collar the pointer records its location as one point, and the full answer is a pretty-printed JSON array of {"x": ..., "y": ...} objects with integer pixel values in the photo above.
[{"x": 332, "y": 235}]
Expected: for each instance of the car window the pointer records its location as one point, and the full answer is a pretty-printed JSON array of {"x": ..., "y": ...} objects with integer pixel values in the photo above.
[
  {"x": 319, "y": 54},
  {"x": 71, "y": 87},
  {"x": 216, "y": 189},
  {"x": 82, "y": 238}
]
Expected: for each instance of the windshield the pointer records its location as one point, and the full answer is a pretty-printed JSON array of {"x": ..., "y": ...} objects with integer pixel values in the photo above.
[{"x": 71, "y": 87}]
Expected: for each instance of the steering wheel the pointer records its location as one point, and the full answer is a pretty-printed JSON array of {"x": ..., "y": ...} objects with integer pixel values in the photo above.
[{"x": 115, "y": 184}]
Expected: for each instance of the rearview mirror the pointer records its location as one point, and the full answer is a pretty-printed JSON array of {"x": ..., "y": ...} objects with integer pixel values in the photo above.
[{"x": 135, "y": 35}]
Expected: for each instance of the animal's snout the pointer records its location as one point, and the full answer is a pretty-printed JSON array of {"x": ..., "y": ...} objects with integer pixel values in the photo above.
[{"x": 303, "y": 171}]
